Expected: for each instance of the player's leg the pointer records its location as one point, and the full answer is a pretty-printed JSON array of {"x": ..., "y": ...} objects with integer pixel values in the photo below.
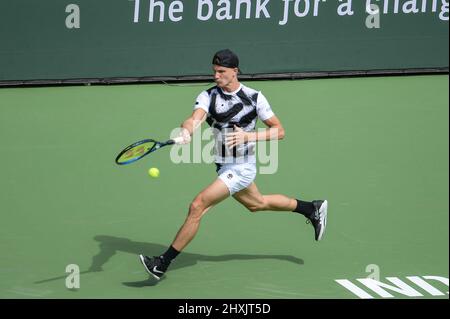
[
  {"x": 254, "y": 201},
  {"x": 211, "y": 195},
  {"x": 315, "y": 211}
]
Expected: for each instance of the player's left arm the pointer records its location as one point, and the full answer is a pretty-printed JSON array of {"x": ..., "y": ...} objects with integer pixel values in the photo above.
[{"x": 274, "y": 131}]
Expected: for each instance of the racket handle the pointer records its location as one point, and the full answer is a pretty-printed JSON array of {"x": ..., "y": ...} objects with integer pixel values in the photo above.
[{"x": 178, "y": 139}]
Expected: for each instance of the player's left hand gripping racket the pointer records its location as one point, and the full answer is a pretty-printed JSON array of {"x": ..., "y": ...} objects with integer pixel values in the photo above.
[{"x": 138, "y": 150}]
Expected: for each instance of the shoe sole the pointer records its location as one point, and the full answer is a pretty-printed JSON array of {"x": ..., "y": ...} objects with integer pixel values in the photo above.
[
  {"x": 141, "y": 258},
  {"x": 323, "y": 210}
]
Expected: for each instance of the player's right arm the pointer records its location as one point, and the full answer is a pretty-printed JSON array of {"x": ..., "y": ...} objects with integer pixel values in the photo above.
[
  {"x": 197, "y": 118},
  {"x": 192, "y": 123}
]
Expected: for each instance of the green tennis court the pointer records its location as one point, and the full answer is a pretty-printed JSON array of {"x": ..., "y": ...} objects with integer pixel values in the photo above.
[{"x": 376, "y": 148}]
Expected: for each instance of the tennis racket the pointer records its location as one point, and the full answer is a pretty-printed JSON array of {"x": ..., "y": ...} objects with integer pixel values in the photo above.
[{"x": 138, "y": 150}]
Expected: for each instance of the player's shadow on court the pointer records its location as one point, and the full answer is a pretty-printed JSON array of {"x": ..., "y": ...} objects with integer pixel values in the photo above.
[{"x": 110, "y": 245}]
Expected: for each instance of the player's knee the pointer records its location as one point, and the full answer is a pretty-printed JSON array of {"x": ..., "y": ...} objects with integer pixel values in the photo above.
[
  {"x": 257, "y": 206},
  {"x": 196, "y": 208}
]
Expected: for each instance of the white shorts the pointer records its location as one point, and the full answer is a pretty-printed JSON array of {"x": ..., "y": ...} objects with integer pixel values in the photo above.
[{"x": 237, "y": 176}]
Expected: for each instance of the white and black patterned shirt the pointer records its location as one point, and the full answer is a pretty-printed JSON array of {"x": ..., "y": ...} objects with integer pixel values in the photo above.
[{"x": 242, "y": 108}]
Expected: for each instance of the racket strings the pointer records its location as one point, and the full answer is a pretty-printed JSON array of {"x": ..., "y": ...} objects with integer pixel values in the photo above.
[{"x": 136, "y": 152}]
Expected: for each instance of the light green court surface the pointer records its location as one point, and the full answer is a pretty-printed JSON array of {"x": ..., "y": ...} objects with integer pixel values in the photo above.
[{"x": 376, "y": 148}]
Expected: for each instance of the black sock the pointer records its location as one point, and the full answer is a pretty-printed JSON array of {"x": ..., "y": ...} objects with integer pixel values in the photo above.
[
  {"x": 170, "y": 254},
  {"x": 304, "y": 208}
]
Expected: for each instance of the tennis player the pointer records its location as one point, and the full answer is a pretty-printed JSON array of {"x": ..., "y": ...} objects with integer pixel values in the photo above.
[{"x": 232, "y": 109}]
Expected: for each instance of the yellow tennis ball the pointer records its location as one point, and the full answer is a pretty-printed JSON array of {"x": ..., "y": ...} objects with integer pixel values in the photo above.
[{"x": 153, "y": 172}]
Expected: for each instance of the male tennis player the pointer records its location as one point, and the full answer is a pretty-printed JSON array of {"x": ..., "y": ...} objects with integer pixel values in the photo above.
[{"x": 232, "y": 109}]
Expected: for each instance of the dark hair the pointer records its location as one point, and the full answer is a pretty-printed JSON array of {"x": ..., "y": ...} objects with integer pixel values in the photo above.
[{"x": 226, "y": 58}]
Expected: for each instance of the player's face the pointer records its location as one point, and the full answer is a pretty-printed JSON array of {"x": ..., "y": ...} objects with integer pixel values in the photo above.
[{"x": 224, "y": 76}]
